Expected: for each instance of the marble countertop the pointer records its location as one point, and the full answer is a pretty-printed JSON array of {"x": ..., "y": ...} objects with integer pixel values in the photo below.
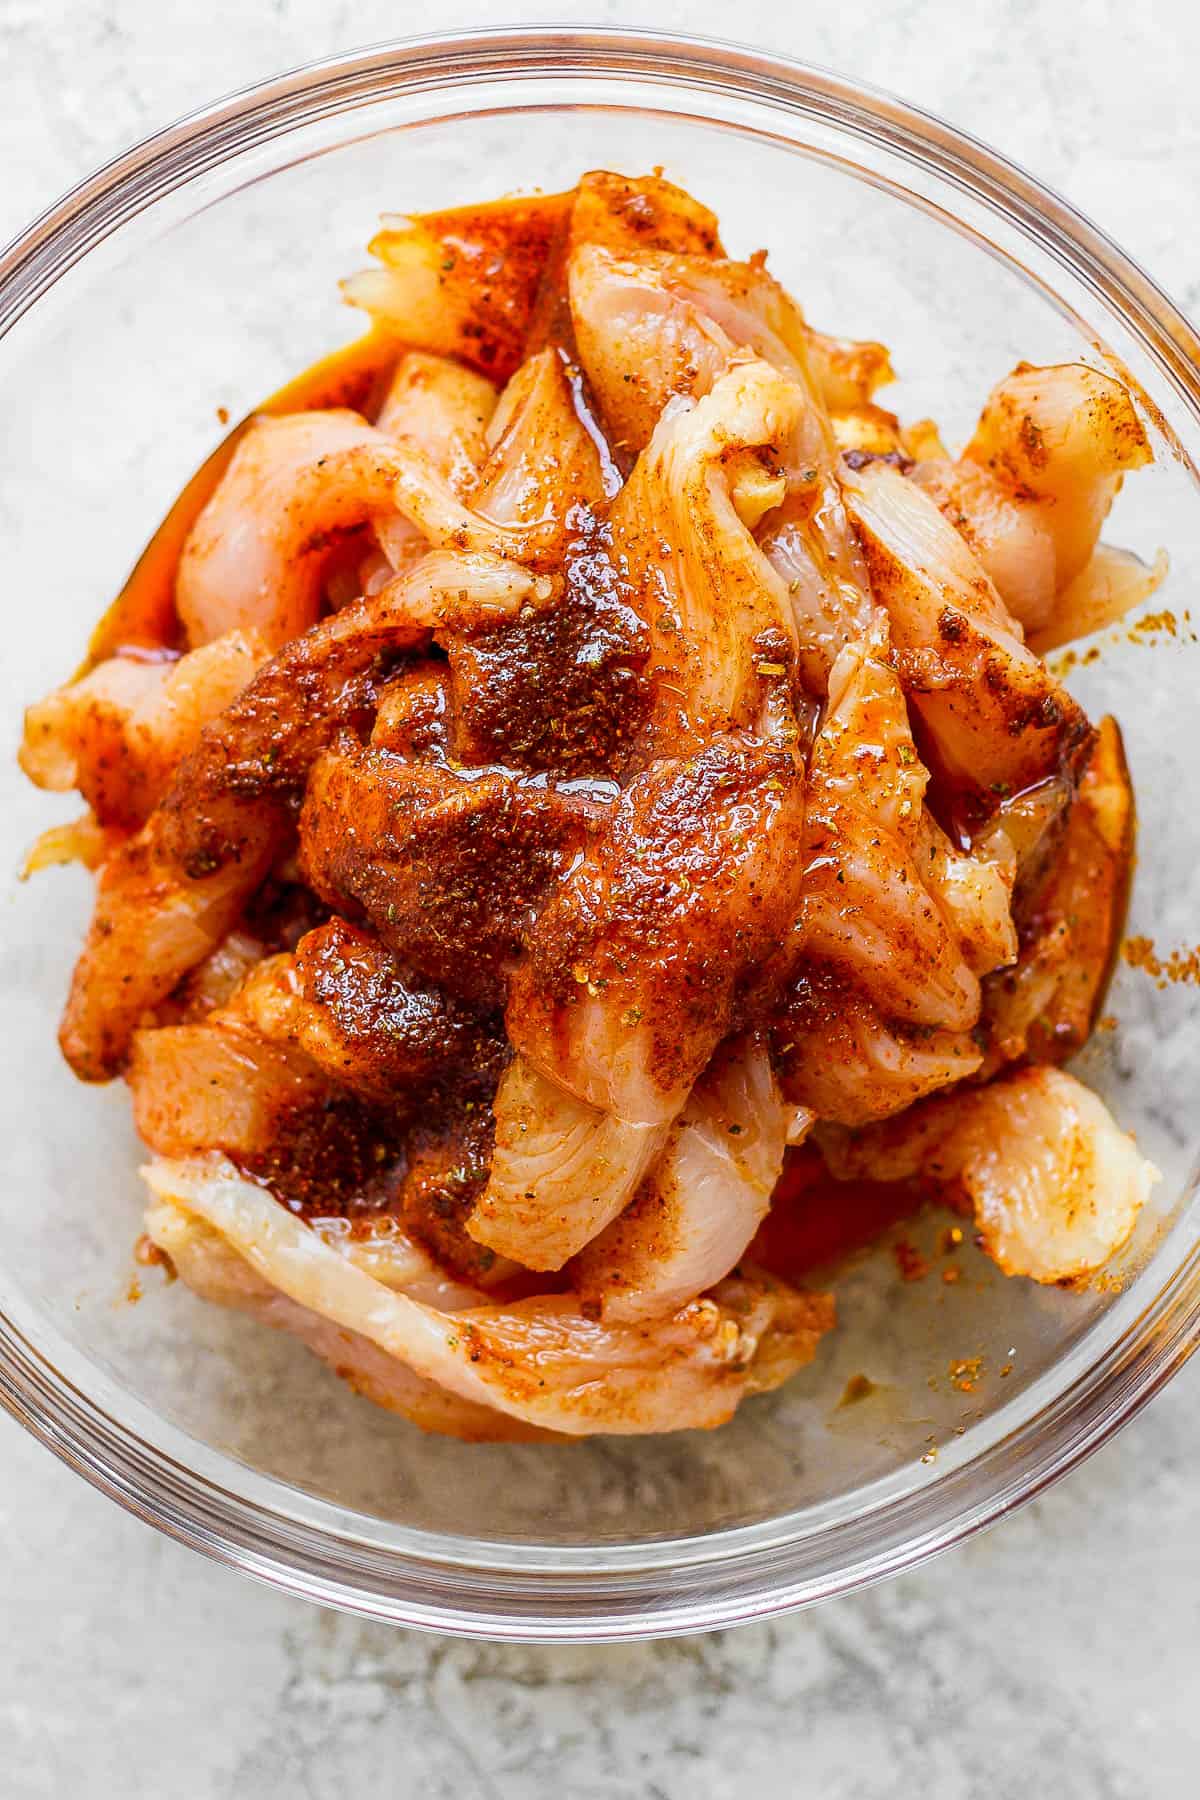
[{"x": 1058, "y": 1653}]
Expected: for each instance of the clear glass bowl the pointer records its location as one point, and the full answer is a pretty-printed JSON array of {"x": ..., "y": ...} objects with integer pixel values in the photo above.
[{"x": 198, "y": 271}]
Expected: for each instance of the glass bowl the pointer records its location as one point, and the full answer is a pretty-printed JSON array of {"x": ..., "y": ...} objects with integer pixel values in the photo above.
[{"x": 198, "y": 272}]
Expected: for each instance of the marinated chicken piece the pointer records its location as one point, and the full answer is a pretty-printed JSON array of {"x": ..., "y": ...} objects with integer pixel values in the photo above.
[
  {"x": 233, "y": 1079},
  {"x": 718, "y": 615},
  {"x": 1007, "y": 534},
  {"x": 378, "y": 1244},
  {"x": 543, "y": 468},
  {"x": 1031, "y": 492},
  {"x": 629, "y": 214},
  {"x": 1071, "y": 920},
  {"x": 257, "y": 555},
  {"x": 622, "y": 996},
  {"x": 847, "y": 372},
  {"x": 441, "y": 410},
  {"x": 754, "y": 312},
  {"x": 342, "y": 1103},
  {"x": 651, "y": 327},
  {"x": 447, "y": 867},
  {"x": 1061, "y": 438},
  {"x": 697, "y": 1210},
  {"x": 998, "y": 719},
  {"x": 543, "y": 459},
  {"x": 836, "y": 1054},
  {"x": 447, "y": 1155},
  {"x": 213, "y": 982},
  {"x": 382, "y": 1244},
  {"x": 172, "y": 893},
  {"x": 153, "y": 922},
  {"x": 748, "y": 305},
  {"x": 807, "y": 541},
  {"x": 342, "y": 1001},
  {"x": 77, "y": 732},
  {"x": 626, "y": 214},
  {"x": 1056, "y": 1187},
  {"x": 868, "y": 911},
  {"x": 463, "y": 282},
  {"x": 559, "y": 1172},
  {"x": 1024, "y": 829},
  {"x": 631, "y": 976},
  {"x": 864, "y": 754},
  {"x": 564, "y": 687},
  {"x": 674, "y": 593},
  {"x": 868, "y": 915},
  {"x": 411, "y": 718},
  {"x": 640, "y": 343},
  {"x": 667, "y": 328},
  {"x": 540, "y": 1360},
  {"x": 865, "y": 432},
  {"x": 1108, "y": 586},
  {"x": 558, "y": 687},
  {"x": 634, "y": 968},
  {"x": 922, "y": 441},
  {"x": 214, "y": 1271},
  {"x": 218, "y": 1085},
  {"x": 83, "y": 840},
  {"x": 973, "y": 890},
  {"x": 330, "y": 678},
  {"x": 117, "y": 733}
]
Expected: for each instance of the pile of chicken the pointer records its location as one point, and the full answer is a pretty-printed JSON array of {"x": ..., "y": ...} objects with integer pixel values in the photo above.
[{"x": 626, "y": 752}]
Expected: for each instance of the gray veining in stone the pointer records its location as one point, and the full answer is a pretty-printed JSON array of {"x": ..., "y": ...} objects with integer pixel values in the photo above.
[{"x": 1059, "y": 1653}]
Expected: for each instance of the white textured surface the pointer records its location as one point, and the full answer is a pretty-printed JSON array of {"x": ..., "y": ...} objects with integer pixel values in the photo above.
[{"x": 1058, "y": 1654}]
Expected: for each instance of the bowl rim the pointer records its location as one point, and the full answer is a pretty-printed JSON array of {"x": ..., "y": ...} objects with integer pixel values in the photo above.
[{"x": 747, "y": 1573}]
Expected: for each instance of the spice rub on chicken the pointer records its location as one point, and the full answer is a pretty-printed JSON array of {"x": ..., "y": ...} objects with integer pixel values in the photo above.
[{"x": 560, "y": 755}]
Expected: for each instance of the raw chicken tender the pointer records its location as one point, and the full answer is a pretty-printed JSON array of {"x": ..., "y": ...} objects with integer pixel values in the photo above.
[
  {"x": 1056, "y": 1187},
  {"x": 701, "y": 1204},
  {"x": 541, "y": 1361}
]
